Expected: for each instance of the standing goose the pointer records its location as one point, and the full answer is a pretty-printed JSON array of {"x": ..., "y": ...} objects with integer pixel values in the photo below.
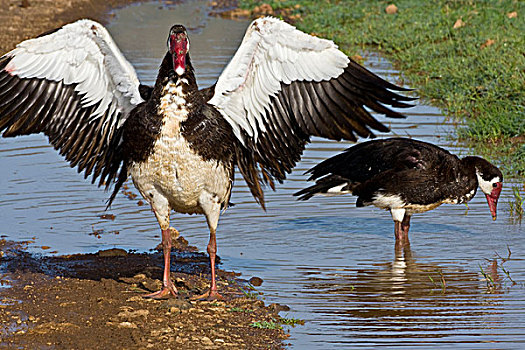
[
  {"x": 405, "y": 176},
  {"x": 180, "y": 144}
]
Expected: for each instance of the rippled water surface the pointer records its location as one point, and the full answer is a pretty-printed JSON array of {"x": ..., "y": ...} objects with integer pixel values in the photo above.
[{"x": 333, "y": 264}]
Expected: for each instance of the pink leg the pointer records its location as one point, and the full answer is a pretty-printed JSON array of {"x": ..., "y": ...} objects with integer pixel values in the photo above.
[
  {"x": 401, "y": 231},
  {"x": 168, "y": 288},
  {"x": 212, "y": 294},
  {"x": 398, "y": 231},
  {"x": 405, "y": 226}
]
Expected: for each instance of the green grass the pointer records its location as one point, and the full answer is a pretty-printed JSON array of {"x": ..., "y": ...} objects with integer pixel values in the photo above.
[
  {"x": 442, "y": 283},
  {"x": 277, "y": 324},
  {"x": 250, "y": 292},
  {"x": 516, "y": 205},
  {"x": 491, "y": 285},
  {"x": 266, "y": 325},
  {"x": 290, "y": 321},
  {"x": 455, "y": 69}
]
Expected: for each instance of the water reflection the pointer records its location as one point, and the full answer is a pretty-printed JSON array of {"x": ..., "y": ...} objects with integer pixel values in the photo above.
[{"x": 402, "y": 298}]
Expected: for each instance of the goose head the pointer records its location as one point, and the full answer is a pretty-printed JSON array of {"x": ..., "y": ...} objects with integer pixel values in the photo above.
[
  {"x": 490, "y": 181},
  {"x": 178, "y": 47}
]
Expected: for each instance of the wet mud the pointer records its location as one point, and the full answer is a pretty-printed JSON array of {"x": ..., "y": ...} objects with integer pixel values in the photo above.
[{"x": 94, "y": 301}]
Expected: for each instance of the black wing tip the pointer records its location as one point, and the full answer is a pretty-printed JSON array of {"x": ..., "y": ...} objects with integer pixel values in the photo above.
[
  {"x": 401, "y": 88},
  {"x": 304, "y": 194}
]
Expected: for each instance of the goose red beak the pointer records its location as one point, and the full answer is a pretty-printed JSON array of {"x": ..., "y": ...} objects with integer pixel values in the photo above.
[
  {"x": 178, "y": 45},
  {"x": 492, "y": 199}
]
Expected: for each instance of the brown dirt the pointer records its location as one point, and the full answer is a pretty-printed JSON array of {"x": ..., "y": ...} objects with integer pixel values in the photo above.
[
  {"x": 24, "y": 19},
  {"x": 93, "y": 301}
]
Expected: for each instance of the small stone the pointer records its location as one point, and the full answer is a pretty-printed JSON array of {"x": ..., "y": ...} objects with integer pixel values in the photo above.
[
  {"x": 459, "y": 23},
  {"x": 107, "y": 216},
  {"x": 177, "y": 304},
  {"x": 135, "y": 298},
  {"x": 128, "y": 315},
  {"x": 152, "y": 285},
  {"x": 173, "y": 233},
  {"x": 391, "y": 9},
  {"x": 487, "y": 43},
  {"x": 275, "y": 307},
  {"x": 139, "y": 276},
  {"x": 256, "y": 281},
  {"x": 127, "y": 325},
  {"x": 206, "y": 341}
]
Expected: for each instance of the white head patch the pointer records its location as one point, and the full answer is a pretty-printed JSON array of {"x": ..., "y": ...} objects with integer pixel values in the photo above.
[{"x": 487, "y": 186}]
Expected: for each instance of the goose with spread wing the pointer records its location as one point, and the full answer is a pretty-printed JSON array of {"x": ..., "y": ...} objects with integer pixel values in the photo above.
[{"x": 180, "y": 144}]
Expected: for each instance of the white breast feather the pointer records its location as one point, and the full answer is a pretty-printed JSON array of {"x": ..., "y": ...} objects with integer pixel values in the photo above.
[
  {"x": 172, "y": 104},
  {"x": 174, "y": 175}
]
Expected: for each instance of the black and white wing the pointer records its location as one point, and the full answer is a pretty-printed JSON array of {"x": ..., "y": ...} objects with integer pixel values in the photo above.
[
  {"x": 76, "y": 87},
  {"x": 283, "y": 86},
  {"x": 368, "y": 159},
  {"x": 391, "y": 164}
]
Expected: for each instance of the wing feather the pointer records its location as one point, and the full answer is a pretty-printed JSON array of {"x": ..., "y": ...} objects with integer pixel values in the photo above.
[
  {"x": 284, "y": 86},
  {"x": 32, "y": 94},
  {"x": 75, "y": 86}
]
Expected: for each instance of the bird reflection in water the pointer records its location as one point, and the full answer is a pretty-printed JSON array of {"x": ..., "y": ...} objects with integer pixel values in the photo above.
[{"x": 403, "y": 298}]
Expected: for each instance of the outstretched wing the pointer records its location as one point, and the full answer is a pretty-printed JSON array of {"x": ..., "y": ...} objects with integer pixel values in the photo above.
[
  {"x": 76, "y": 87},
  {"x": 283, "y": 86}
]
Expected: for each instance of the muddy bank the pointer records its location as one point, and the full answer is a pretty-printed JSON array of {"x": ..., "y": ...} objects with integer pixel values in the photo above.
[
  {"x": 93, "y": 301},
  {"x": 24, "y": 19}
]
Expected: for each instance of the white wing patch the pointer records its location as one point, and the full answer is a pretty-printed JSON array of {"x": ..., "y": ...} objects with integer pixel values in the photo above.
[
  {"x": 272, "y": 52},
  {"x": 388, "y": 201},
  {"x": 397, "y": 214},
  {"x": 81, "y": 53},
  {"x": 336, "y": 191}
]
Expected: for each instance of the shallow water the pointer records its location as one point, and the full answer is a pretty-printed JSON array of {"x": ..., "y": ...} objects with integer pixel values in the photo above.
[{"x": 333, "y": 264}]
